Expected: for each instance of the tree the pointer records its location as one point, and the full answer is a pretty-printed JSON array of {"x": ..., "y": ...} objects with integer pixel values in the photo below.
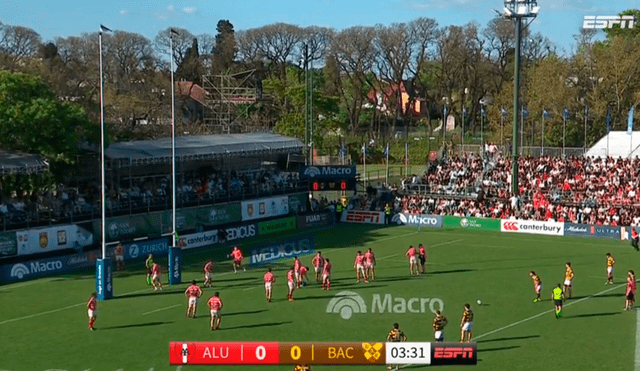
[
  {"x": 191, "y": 67},
  {"x": 626, "y": 32},
  {"x": 181, "y": 43},
  {"x": 17, "y": 45},
  {"x": 224, "y": 52},
  {"x": 33, "y": 120}
]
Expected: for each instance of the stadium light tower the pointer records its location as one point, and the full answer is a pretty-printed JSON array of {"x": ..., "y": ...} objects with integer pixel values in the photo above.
[{"x": 517, "y": 10}]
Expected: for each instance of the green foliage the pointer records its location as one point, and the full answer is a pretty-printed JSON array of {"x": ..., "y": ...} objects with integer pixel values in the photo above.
[
  {"x": 625, "y": 32},
  {"x": 33, "y": 120}
]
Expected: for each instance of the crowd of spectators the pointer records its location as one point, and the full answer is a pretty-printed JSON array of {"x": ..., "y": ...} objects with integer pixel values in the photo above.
[
  {"x": 586, "y": 190},
  {"x": 145, "y": 193}
]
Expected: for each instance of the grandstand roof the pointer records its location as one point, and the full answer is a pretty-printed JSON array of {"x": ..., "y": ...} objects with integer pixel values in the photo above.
[
  {"x": 21, "y": 163},
  {"x": 202, "y": 147},
  {"x": 619, "y": 144}
]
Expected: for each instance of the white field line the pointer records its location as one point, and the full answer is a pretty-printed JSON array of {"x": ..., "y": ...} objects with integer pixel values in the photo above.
[
  {"x": 447, "y": 243},
  {"x": 158, "y": 310},
  {"x": 637, "y": 358},
  {"x": 60, "y": 309},
  {"x": 250, "y": 288},
  {"x": 549, "y": 311},
  {"x": 388, "y": 256},
  {"x": 9, "y": 287}
]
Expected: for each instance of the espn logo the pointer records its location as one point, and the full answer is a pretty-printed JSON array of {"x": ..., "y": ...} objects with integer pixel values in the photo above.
[
  {"x": 454, "y": 354},
  {"x": 510, "y": 226},
  {"x": 363, "y": 217}
]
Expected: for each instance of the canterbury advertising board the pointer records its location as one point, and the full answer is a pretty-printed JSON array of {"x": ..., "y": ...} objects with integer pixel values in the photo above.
[
  {"x": 362, "y": 216},
  {"x": 263, "y": 208},
  {"x": 532, "y": 227}
]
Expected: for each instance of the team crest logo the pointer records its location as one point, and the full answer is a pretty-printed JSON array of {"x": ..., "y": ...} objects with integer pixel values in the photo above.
[
  {"x": 372, "y": 351},
  {"x": 44, "y": 239},
  {"x": 464, "y": 223},
  {"x": 113, "y": 230},
  {"x": 212, "y": 215},
  {"x": 250, "y": 210}
]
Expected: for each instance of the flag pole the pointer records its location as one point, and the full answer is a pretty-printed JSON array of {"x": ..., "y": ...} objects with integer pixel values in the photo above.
[
  {"x": 386, "y": 174},
  {"x": 102, "y": 193},
  {"x": 364, "y": 163},
  {"x": 406, "y": 159},
  {"x": 542, "y": 132},
  {"x": 173, "y": 149}
]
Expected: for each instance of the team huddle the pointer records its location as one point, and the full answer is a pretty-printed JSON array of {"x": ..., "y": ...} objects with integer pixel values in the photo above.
[{"x": 564, "y": 291}]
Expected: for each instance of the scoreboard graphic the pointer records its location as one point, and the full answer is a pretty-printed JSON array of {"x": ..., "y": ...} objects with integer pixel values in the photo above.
[{"x": 312, "y": 353}]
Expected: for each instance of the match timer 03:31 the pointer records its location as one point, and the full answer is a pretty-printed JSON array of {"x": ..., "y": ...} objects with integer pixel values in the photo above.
[{"x": 317, "y": 353}]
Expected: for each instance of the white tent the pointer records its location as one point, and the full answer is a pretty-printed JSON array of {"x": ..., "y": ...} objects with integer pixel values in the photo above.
[{"x": 617, "y": 144}]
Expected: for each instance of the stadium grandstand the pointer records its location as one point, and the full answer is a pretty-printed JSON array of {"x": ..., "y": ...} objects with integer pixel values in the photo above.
[{"x": 211, "y": 169}]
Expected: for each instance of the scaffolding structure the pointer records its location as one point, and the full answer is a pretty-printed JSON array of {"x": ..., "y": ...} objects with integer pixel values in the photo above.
[{"x": 226, "y": 100}]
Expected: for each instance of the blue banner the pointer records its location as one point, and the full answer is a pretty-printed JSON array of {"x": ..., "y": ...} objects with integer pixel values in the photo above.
[
  {"x": 142, "y": 249},
  {"x": 606, "y": 231},
  {"x": 282, "y": 251},
  {"x": 571, "y": 229},
  {"x": 175, "y": 266},
  {"x": 46, "y": 267},
  {"x": 587, "y": 230},
  {"x": 104, "y": 279},
  {"x": 328, "y": 172}
]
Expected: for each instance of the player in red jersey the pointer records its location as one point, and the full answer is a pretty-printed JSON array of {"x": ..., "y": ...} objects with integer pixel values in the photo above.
[
  {"x": 634, "y": 239},
  {"x": 370, "y": 264},
  {"x": 269, "y": 280},
  {"x": 155, "y": 280},
  {"x": 413, "y": 260},
  {"x": 358, "y": 265},
  {"x": 296, "y": 270},
  {"x": 326, "y": 275},
  {"x": 91, "y": 310},
  {"x": 318, "y": 264},
  {"x": 422, "y": 255},
  {"x": 215, "y": 305},
  {"x": 208, "y": 270},
  {"x": 193, "y": 292},
  {"x": 237, "y": 259},
  {"x": 630, "y": 301},
  {"x": 119, "y": 254},
  {"x": 304, "y": 278},
  {"x": 291, "y": 283}
]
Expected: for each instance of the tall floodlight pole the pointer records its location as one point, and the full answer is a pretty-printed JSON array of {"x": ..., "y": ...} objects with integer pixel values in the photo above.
[
  {"x": 173, "y": 147},
  {"x": 517, "y": 10}
]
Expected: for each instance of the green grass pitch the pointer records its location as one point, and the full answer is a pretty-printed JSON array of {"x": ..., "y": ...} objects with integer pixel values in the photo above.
[{"x": 43, "y": 323}]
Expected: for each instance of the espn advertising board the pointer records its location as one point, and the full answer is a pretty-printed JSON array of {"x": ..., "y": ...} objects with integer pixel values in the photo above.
[
  {"x": 41, "y": 240},
  {"x": 282, "y": 251},
  {"x": 532, "y": 227},
  {"x": 46, "y": 267},
  {"x": 422, "y": 220},
  {"x": 263, "y": 208},
  {"x": 363, "y": 216},
  {"x": 483, "y": 224}
]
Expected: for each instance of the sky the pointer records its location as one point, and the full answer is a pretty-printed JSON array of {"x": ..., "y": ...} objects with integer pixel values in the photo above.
[{"x": 558, "y": 20}]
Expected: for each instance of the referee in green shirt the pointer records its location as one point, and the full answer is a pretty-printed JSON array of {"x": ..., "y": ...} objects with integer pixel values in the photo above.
[{"x": 558, "y": 298}]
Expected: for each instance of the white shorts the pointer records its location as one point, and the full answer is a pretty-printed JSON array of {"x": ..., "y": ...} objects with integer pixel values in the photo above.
[
  {"x": 318, "y": 269},
  {"x": 156, "y": 277},
  {"x": 609, "y": 270},
  {"x": 413, "y": 260},
  {"x": 298, "y": 277},
  {"x": 569, "y": 282},
  {"x": 119, "y": 258},
  {"x": 369, "y": 265},
  {"x": 468, "y": 326},
  {"x": 291, "y": 285},
  {"x": 207, "y": 276},
  {"x": 215, "y": 313},
  {"x": 267, "y": 286},
  {"x": 325, "y": 276},
  {"x": 360, "y": 267},
  {"x": 91, "y": 313},
  {"x": 193, "y": 301},
  {"x": 439, "y": 335},
  {"x": 539, "y": 288}
]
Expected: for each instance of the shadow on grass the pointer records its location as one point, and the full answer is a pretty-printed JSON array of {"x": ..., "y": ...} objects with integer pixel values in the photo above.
[
  {"x": 451, "y": 271},
  {"x": 612, "y": 295},
  {"x": 359, "y": 286},
  {"x": 135, "y": 325},
  {"x": 592, "y": 315},
  {"x": 247, "y": 312},
  {"x": 269, "y": 324},
  {"x": 498, "y": 349},
  {"x": 150, "y": 293},
  {"x": 511, "y": 338}
]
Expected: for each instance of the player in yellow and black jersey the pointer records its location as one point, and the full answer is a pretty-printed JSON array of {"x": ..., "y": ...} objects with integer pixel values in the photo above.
[
  {"x": 396, "y": 335},
  {"x": 302, "y": 368},
  {"x": 439, "y": 321},
  {"x": 466, "y": 324},
  {"x": 610, "y": 263},
  {"x": 568, "y": 280},
  {"x": 537, "y": 285}
]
